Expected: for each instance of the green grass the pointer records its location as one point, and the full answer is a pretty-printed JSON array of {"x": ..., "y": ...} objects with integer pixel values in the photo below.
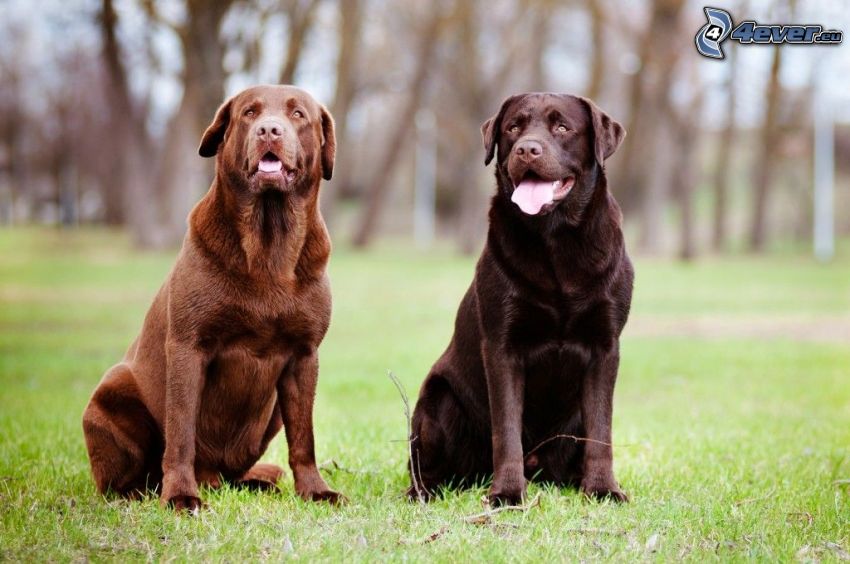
[{"x": 729, "y": 448}]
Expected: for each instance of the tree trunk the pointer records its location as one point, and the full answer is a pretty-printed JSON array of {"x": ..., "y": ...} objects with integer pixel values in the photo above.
[
  {"x": 67, "y": 191},
  {"x": 765, "y": 164},
  {"x": 538, "y": 42},
  {"x": 654, "y": 166},
  {"x": 643, "y": 175},
  {"x": 469, "y": 89},
  {"x": 13, "y": 127},
  {"x": 368, "y": 221},
  {"x": 184, "y": 176},
  {"x": 300, "y": 21},
  {"x": 686, "y": 167},
  {"x": 629, "y": 156},
  {"x": 351, "y": 19},
  {"x": 471, "y": 96},
  {"x": 597, "y": 65},
  {"x": 658, "y": 50},
  {"x": 723, "y": 167},
  {"x": 128, "y": 141}
]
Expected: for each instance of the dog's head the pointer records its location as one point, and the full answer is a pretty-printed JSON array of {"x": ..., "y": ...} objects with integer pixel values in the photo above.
[
  {"x": 551, "y": 148},
  {"x": 272, "y": 138}
]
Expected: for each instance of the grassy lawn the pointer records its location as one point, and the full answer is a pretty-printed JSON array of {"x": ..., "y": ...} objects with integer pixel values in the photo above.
[{"x": 730, "y": 446}]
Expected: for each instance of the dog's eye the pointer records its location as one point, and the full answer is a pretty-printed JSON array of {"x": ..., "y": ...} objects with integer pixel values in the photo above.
[
  {"x": 297, "y": 114},
  {"x": 513, "y": 129},
  {"x": 563, "y": 128},
  {"x": 250, "y": 113}
]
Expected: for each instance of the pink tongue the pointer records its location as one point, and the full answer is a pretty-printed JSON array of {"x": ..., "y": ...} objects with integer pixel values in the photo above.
[
  {"x": 532, "y": 195},
  {"x": 270, "y": 166}
]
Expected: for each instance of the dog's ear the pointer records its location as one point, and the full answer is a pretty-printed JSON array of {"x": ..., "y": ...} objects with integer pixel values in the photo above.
[
  {"x": 607, "y": 133},
  {"x": 328, "y": 144},
  {"x": 214, "y": 134},
  {"x": 491, "y": 130}
]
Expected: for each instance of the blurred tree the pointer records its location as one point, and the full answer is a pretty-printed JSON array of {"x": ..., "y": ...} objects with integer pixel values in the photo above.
[
  {"x": 64, "y": 144},
  {"x": 469, "y": 96},
  {"x": 58, "y": 149},
  {"x": 596, "y": 12},
  {"x": 428, "y": 37},
  {"x": 723, "y": 165},
  {"x": 764, "y": 166},
  {"x": 347, "y": 85},
  {"x": 540, "y": 14},
  {"x": 13, "y": 121},
  {"x": 128, "y": 197},
  {"x": 183, "y": 176},
  {"x": 686, "y": 166},
  {"x": 300, "y": 14},
  {"x": 643, "y": 179}
]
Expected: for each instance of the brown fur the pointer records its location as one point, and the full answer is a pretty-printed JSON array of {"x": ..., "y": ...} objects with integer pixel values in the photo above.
[
  {"x": 227, "y": 354},
  {"x": 536, "y": 344}
]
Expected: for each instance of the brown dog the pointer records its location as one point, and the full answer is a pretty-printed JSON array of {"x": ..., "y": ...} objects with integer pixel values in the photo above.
[
  {"x": 525, "y": 388},
  {"x": 228, "y": 350}
]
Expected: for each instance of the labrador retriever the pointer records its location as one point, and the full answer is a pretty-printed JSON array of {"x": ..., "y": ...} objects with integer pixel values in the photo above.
[
  {"x": 228, "y": 352},
  {"x": 525, "y": 388}
]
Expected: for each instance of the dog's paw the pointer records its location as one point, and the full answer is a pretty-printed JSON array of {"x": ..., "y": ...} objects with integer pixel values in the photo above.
[
  {"x": 507, "y": 495},
  {"x": 184, "y": 504},
  {"x": 502, "y": 498},
  {"x": 603, "y": 489},
  {"x": 180, "y": 492},
  {"x": 508, "y": 489},
  {"x": 329, "y": 496}
]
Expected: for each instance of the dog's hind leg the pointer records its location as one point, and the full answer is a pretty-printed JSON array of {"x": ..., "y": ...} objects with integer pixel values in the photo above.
[
  {"x": 262, "y": 476},
  {"x": 444, "y": 448},
  {"x": 122, "y": 439}
]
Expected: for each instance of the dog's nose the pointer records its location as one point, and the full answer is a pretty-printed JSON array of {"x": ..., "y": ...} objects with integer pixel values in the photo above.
[
  {"x": 269, "y": 130},
  {"x": 528, "y": 149}
]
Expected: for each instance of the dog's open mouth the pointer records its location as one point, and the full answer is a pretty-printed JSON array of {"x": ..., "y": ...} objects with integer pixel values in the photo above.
[
  {"x": 269, "y": 163},
  {"x": 270, "y": 166},
  {"x": 534, "y": 194}
]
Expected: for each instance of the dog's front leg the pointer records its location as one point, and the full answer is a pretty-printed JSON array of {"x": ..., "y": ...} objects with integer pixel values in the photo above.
[
  {"x": 597, "y": 406},
  {"x": 297, "y": 391},
  {"x": 505, "y": 389},
  {"x": 184, "y": 381}
]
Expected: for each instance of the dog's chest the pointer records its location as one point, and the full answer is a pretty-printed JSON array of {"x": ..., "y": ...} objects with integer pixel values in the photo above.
[
  {"x": 562, "y": 322},
  {"x": 270, "y": 325},
  {"x": 559, "y": 341}
]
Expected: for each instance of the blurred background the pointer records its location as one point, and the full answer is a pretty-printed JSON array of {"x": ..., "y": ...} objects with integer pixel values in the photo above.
[{"x": 102, "y": 105}]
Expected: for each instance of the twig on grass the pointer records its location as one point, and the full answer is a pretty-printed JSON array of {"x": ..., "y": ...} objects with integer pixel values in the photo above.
[
  {"x": 801, "y": 516},
  {"x": 420, "y": 494},
  {"x": 430, "y": 538},
  {"x": 586, "y": 531},
  {"x": 480, "y": 519},
  {"x": 768, "y": 495},
  {"x": 576, "y": 439},
  {"x": 434, "y": 536},
  {"x": 485, "y": 518},
  {"x": 332, "y": 465}
]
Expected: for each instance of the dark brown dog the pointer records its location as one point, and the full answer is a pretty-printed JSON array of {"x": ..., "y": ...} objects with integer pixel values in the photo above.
[
  {"x": 228, "y": 350},
  {"x": 535, "y": 351}
]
